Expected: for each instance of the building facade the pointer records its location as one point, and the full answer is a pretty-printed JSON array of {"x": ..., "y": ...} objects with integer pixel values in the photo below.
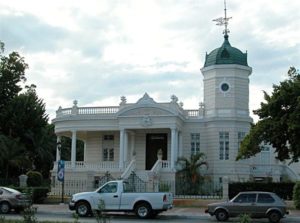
[{"x": 147, "y": 137}]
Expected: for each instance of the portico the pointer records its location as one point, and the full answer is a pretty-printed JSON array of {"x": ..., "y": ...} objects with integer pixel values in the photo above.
[{"x": 128, "y": 139}]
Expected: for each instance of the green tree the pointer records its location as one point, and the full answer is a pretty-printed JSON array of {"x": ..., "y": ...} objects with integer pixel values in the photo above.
[
  {"x": 189, "y": 170},
  {"x": 27, "y": 122},
  {"x": 12, "y": 72},
  {"x": 279, "y": 122},
  {"x": 27, "y": 141}
]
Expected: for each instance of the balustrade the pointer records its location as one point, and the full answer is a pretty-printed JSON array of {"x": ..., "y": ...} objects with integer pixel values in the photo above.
[
  {"x": 88, "y": 111},
  {"x": 80, "y": 165},
  {"x": 165, "y": 165},
  {"x": 110, "y": 110}
]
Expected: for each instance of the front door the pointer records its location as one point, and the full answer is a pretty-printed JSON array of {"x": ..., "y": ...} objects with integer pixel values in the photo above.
[{"x": 154, "y": 142}]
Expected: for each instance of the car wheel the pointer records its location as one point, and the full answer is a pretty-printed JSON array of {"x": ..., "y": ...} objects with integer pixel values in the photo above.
[
  {"x": 4, "y": 207},
  {"x": 83, "y": 208},
  {"x": 221, "y": 215},
  {"x": 143, "y": 210},
  {"x": 274, "y": 216}
]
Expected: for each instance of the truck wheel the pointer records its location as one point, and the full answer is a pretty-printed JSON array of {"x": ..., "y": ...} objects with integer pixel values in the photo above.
[
  {"x": 4, "y": 207},
  {"x": 143, "y": 210},
  {"x": 83, "y": 208},
  {"x": 221, "y": 215},
  {"x": 274, "y": 216}
]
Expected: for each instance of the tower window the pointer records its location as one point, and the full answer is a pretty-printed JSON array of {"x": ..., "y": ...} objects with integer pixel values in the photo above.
[{"x": 224, "y": 145}]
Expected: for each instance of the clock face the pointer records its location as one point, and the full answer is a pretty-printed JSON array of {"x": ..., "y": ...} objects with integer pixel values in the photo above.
[{"x": 224, "y": 87}]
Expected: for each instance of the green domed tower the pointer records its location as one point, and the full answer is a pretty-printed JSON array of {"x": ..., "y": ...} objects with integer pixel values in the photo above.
[
  {"x": 226, "y": 82},
  {"x": 226, "y": 106}
]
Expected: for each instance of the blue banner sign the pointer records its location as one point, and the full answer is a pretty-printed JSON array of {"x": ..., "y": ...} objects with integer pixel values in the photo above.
[{"x": 61, "y": 170}]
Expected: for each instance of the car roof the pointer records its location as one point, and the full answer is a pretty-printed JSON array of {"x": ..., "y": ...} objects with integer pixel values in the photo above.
[{"x": 257, "y": 192}]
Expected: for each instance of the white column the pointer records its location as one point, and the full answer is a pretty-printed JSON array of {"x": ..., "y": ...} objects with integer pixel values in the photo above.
[
  {"x": 125, "y": 146},
  {"x": 180, "y": 152},
  {"x": 121, "y": 156},
  {"x": 173, "y": 147},
  {"x": 73, "y": 149},
  {"x": 58, "y": 147},
  {"x": 176, "y": 145}
]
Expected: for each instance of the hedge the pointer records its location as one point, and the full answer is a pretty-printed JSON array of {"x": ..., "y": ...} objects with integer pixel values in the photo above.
[{"x": 283, "y": 189}]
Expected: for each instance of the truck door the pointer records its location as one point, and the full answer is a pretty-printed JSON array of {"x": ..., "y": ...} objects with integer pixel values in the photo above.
[{"x": 109, "y": 195}]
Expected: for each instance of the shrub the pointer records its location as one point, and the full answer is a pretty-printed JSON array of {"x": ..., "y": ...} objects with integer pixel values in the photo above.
[
  {"x": 296, "y": 195},
  {"x": 35, "y": 179},
  {"x": 244, "y": 218},
  {"x": 38, "y": 194}
]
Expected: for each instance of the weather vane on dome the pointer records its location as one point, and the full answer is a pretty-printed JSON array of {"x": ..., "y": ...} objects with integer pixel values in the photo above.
[{"x": 223, "y": 21}]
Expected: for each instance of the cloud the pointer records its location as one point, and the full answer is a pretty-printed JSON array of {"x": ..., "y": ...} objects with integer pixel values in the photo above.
[
  {"x": 28, "y": 33},
  {"x": 96, "y": 51}
]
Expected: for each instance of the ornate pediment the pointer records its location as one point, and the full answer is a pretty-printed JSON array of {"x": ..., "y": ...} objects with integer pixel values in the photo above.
[{"x": 145, "y": 100}]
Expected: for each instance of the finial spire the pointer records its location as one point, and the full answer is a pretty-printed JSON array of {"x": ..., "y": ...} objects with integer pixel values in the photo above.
[{"x": 223, "y": 21}]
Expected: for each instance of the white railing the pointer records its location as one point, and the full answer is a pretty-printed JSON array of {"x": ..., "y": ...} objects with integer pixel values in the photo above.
[
  {"x": 262, "y": 170},
  {"x": 165, "y": 165},
  {"x": 161, "y": 166},
  {"x": 70, "y": 187},
  {"x": 97, "y": 110},
  {"x": 266, "y": 170},
  {"x": 100, "y": 166},
  {"x": 110, "y": 110},
  {"x": 192, "y": 113},
  {"x": 87, "y": 111},
  {"x": 157, "y": 166},
  {"x": 291, "y": 173},
  {"x": 129, "y": 169}
]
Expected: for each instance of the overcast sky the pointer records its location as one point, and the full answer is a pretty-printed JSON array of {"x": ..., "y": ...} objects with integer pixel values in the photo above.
[{"x": 96, "y": 51}]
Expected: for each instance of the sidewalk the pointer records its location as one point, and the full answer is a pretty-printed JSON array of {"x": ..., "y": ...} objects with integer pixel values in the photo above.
[{"x": 179, "y": 211}]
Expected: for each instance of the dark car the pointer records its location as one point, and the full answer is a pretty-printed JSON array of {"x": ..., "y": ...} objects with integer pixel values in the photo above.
[
  {"x": 254, "y": 203},
  {"x": 12, "y": 199}
]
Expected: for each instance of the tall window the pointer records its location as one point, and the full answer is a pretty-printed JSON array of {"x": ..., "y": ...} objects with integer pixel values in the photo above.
[
  {"x": 224, "y": 145},
  {"x": 108, "y": 148},
  {"x": 241, "y": 136},
  {"x": 195, "y": 143},
  {"x": 265, "y": 154}
]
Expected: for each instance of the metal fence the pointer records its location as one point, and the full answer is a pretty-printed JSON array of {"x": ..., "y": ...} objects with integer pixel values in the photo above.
[{"x": 180, "y": 188}]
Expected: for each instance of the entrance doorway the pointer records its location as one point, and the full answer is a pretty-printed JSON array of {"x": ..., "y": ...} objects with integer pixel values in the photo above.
[{"x": 154, "y": 142}]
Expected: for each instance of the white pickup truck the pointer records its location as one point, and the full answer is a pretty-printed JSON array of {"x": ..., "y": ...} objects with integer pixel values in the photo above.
[{"x": 116, "y": 196}]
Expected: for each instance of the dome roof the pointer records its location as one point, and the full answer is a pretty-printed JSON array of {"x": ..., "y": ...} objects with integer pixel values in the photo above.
[{"x": 226, "y": 54}]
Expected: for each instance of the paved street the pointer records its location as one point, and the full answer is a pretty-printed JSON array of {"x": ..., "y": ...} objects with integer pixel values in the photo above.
[{"x": 186, "y": 215}]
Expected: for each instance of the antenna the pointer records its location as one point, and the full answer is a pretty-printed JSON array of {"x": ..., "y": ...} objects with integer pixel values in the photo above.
[{"x": 223, "y": 20}]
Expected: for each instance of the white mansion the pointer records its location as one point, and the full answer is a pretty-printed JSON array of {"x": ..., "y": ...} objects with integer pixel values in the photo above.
[{"x": 147, "y": 137}]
